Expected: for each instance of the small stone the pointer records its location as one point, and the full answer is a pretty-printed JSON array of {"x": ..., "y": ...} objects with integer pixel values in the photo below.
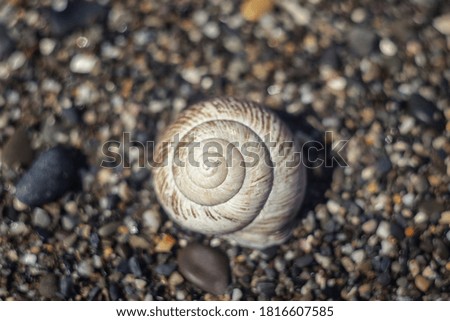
[
  {"x": 422, "y": 283},
  {"x": 52, "y": 174},
  {"x": 211, "y": 30},
  {"x": 17, "y": 150},
  {"x": 68, "y": 222},
  {"x": 206, "y": 267},
  {"x": 6, "y": 43},
  {"x": 77, "y": 14},
  {"x": 135, "y": 266},
  {"x": 333, "y": 207},
  {"x": 175, "y": 279},
  {"x": 384, "y": 230},
  {"x": 266, "y": 288},
  {"x": 301, "y": 15},
  {"x": 165, "y": 244},
  {"x": 41, "y": 218},
  {"x": 46, "y": 46},
  {"x": 425, "y": 111},
  {"x": 166, "y": 269},
  {"x": 17, "y": 60},
  {"x": 48, "y": 286},
  {"x": 445, "y": 218},
  {"x": 85, "y": 268},
  {"x": 362, "y": 40},
  {"x": 370, "y": 226},
  {"x": 331, "y": 59},
  {"x": 388, "y": 47},
  {"x": 152, "y": 220},
  {"x": 253, "y": 10},
  {"x": 108, "y": 229},
  {"x": 236, "y": 295},
  {"x": 304, "y": 261},
  {"x": 140, "y": 284},
  {"x": 138, "y": 242},
  {"x": 324, "y": 261},
  {"x": 358, "y": 256},
  {"x": 83, "y": 63},
  {"x": 442, "y": 24},
  {"x": 29, "y": 259}
]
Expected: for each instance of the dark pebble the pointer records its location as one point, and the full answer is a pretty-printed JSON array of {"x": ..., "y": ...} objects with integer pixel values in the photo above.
[
  {"x": 48, "y": 286},
  {"x": 53, "y": 173},
  {"x": 78, "y": 14},
  {"x": 267, "y": 289},
  {"x": 206, "y": 267},
  {"x": 362, "y": 41},
  {"x": 425, "y": 111},
  {"x": 72, "y": 116},
  {"x": 7, "y": 45},
  {"x": 115, "y": 293},
  {"x": 304, "y": 261},
  {"x": 331, "y": 58},
  {"x": 383, "y": 166},
  {"x": 441, "y": 249},
  {"x": 166, "y": 269},
  {"x": 135, "y": 266},
  {"x": 397, "y": 231},
  {"x": 66, "y": 287},
  {"x": 94, "y": 294},
  {"x": 17, "y": 150}
]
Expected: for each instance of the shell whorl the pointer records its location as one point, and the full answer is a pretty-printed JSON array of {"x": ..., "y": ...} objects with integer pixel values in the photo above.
[{"x": 209, "y": 183}]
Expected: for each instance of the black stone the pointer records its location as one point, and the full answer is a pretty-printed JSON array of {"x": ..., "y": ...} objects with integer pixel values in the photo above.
[
  {"x": 54, "y": 173},
  {"x": 331, "y": 58},
  {"x": 7, "y": 45},
  {"x": 77, "y": 14},
  {"x": 304, "y": 261},
  {"x": 206, "y": 267},
  {"x": 166, "y": 269},
  {"x": 362, "y": 41},
  {"x": 425, "y": 111},
  {"x": 266, "y": 288},
  {"x": 135, "y": 266},
  {"x": 115, "y": 293}
]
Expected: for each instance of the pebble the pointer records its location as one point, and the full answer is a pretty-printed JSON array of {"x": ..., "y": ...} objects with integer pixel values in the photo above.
[
  {"x": 85, "y": 268},
  {"x": 46, "y": 46},
  {"x": 77, "y": 14},
  {"x": 236, "y": 294},
  {"x": 29, "y": 259},
  {"x": 422, "y": 283},
  {"x": 135, "y": 266},
  {"x": 358, "y": 256},
  {"x": 301, "y": 15},
  {"x": 7, "y": 45},
  {"x": 41, "y": 218},
  {"x": 175, "y": 279},
  {"x": 445, "y": 218},
  {"x": 165, "y": 244},
  {"x": 304, "y": 261},
  {"x": 48, "y": 286},
  {"x": 108, "y": 229},
  {"x": 17, "y": 150},
  {"x": 388, "y": 47},
  {"x": 53, "y": 173},
  {"x": 253, "y": 10},
  {"x": 370, "y": 226},
  {"x": 425, "y": 111},
  {"x": 442, "y": 24},
  {"x": 324, "y": 261},
  {"x": 206, "y": 267},
  {"x": 384, "y": 230},
  {"x": 362, "y": 40},
  {"x": 83, "y": 63},
  {"x": 152, "y": 220},
  {"x": 166, "y": 269}
]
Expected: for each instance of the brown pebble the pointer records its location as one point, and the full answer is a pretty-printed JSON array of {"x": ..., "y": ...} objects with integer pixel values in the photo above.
[
  {"x": 253, "y": 10},
  {"x": 206, "y": 267},
  {"x": 422, "y": 283},
  {"x": 48, "y": 286},
  {"x": 17, "y": 150},
  {"x": 165, "y": 244}
]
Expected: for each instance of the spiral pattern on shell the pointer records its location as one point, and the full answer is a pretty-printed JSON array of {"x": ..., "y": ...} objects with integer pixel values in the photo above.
[{"x": 227, "y": 192}]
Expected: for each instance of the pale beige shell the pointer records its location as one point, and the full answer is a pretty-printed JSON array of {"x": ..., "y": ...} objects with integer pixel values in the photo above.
[{"x": 254, "y": 204}]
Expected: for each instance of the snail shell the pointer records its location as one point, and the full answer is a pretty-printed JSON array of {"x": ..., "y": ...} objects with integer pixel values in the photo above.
[{"x": 230, "y": 194}]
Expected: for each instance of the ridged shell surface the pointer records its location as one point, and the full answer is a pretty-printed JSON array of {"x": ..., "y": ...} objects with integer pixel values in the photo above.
[{"x": 230, "y": 167}]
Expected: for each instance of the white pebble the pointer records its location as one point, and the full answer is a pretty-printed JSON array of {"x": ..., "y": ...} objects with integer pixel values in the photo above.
[
  {"x": 83, "y": 63},
  {"x": 358, "y": 256},
  {"x": 236, "y": 295},
  {"x": 388, "y": 47},
  {"x": 442, "y": 24},
  {"x": 384, "y": 230},
  {"x": 29, "y": 259},
  {"x": 46, "y": 46},
  {"x": 17, "y": 60}
]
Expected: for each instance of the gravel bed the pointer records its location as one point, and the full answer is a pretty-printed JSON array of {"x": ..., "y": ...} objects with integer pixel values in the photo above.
[{"x": 73, "y": 76}]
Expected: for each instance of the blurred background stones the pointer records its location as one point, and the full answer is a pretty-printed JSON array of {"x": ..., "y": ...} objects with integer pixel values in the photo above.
[{"x": 75, "y": 74}]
